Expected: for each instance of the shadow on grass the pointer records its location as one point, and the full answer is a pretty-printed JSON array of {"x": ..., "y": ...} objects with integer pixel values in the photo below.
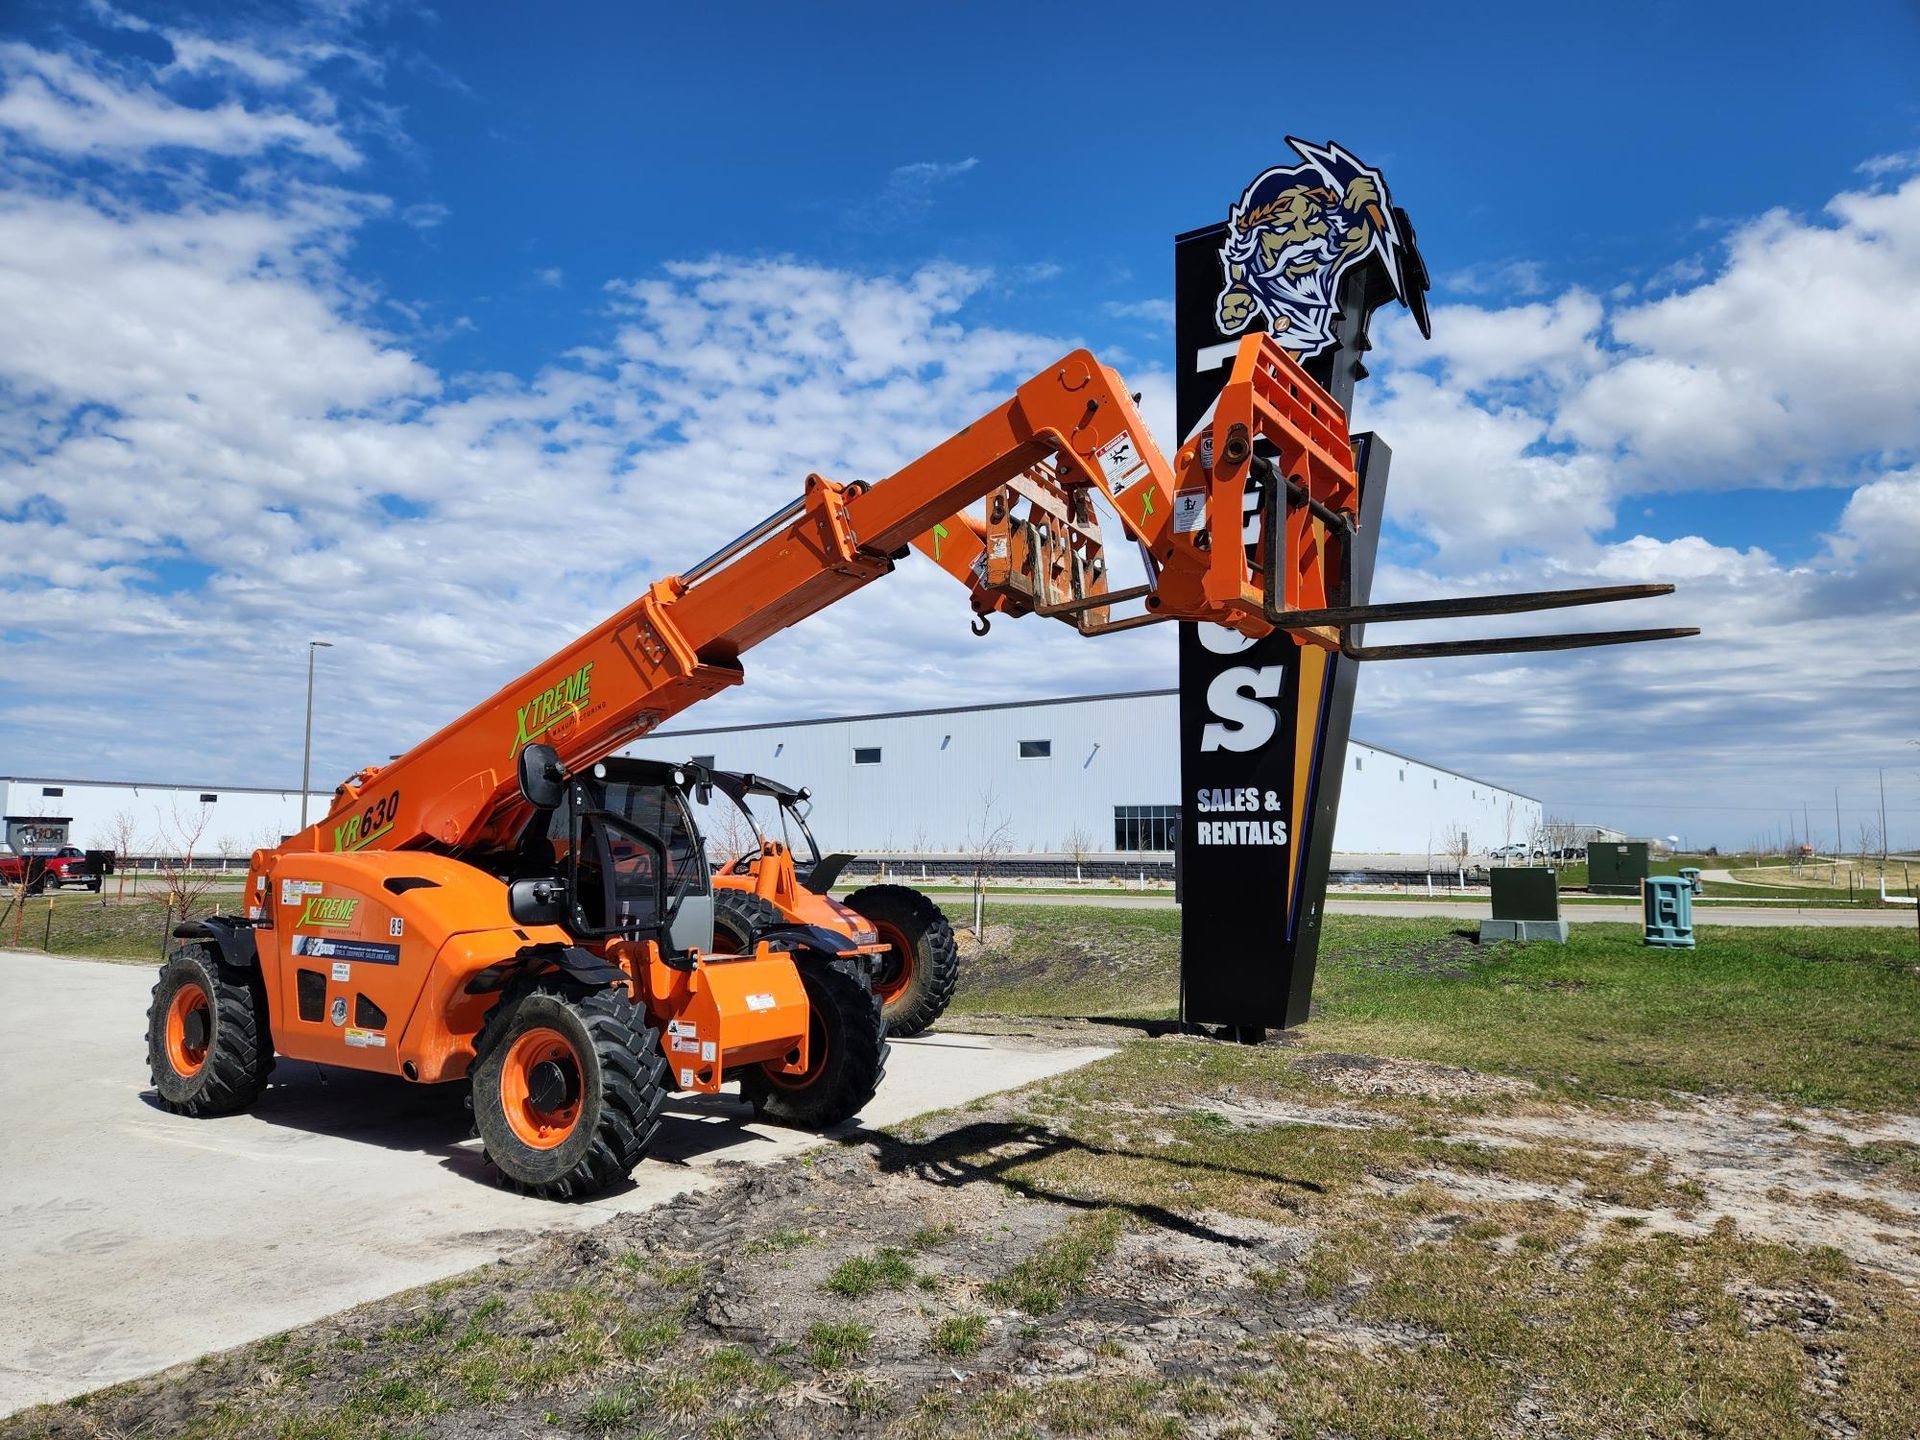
[{"x": 987, "y": 1151}]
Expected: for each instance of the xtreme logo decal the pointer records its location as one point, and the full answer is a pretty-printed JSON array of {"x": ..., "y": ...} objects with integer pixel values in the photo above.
[
  {"x": 558, "y": 702},
  {"x": 328, "y": 912}
]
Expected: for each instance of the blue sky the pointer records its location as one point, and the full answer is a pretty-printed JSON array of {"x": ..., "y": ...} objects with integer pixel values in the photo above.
[{"x": 353, "y": 320}]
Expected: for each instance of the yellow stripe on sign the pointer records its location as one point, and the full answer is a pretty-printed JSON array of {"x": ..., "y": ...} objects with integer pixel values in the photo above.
[{"x": 1306, "y": 730}]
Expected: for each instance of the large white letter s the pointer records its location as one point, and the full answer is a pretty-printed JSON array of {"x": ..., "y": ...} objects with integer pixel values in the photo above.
[{"x": 1235, "y": 696}]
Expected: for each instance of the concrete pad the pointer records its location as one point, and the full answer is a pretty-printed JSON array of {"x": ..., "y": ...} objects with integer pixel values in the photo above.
[
  {"x": 132, "y": 1239},
  {"x": 1554, "y": 931}
]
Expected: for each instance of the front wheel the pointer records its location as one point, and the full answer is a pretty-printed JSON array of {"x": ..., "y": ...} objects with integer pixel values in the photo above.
[
  {"x": 738, "y": 916},
  {"x": 208, "y": 1047},
  {"x": 846, "y": 1055},
  {"x": 922, "y": 964},
  {"x": 568, "y": 1090}
]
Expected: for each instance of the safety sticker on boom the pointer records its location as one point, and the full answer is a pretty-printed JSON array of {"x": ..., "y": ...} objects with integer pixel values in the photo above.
[{"x": 1120, "y": 462}]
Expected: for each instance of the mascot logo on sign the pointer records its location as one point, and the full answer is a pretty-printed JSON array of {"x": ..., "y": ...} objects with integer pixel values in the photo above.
[{"x": 1295, "y": 232}]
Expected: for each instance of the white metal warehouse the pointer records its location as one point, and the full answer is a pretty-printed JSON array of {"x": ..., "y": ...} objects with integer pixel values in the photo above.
[
  {"x": 1106, "y": 766},
  {"x": 919, "y": 781}
]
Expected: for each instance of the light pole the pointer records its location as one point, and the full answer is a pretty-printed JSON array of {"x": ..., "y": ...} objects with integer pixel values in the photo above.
[{"x": 306, "y": 750}]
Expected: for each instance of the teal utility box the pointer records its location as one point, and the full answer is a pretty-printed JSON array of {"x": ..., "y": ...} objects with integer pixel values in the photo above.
[
  {"x": 1691, "y": 874},
  {"x": 1616, "y": 867},
  {"x": 1668, "y": 903},
  {"x": 1526, "y": 906}
]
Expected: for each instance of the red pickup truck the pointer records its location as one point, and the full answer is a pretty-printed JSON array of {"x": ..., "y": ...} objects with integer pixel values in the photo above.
[{"x": 69, "y": 865}]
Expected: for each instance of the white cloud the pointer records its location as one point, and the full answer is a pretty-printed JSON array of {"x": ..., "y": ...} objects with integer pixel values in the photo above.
[
  {"x": 209, "y": 452},
  {"x": 63, "y": 105},
  {"x": 1521, "y": 432},
  {"x": 1895, "y": 163},
  {"x": 1805, "y": 347},
  {"x": 1498, "y": 278},
  {"x": 1156, "y": 312},
  {"x": 911, "y": 191}
]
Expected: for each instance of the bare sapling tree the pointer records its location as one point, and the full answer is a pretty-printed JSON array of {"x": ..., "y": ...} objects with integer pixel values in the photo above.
[
  {"x": 989, "y": 836},
  {"x": 1870, "y": 843},
  {"x": 1078, "y": 845},
  {"x": 182, "y": 835},
  {"x": 1457, "y": 847},
  {"x": 123, "y": 835},
  {"x": 19, "y": 887},
  {"x": 732, "y": 837}
]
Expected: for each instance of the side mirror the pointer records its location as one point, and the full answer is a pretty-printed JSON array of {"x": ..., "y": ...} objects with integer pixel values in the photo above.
[
  {"x": 537, "y": 902},
  {"x": 542, "y": 779}
]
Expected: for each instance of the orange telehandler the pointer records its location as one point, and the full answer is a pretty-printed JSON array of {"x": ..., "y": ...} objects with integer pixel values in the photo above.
[
  {"x": 506, "y": 904},
  {"x": 762, "y": 890}
]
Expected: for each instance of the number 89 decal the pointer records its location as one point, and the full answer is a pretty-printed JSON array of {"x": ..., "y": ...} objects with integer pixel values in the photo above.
[{"x": 370, "y": 824}]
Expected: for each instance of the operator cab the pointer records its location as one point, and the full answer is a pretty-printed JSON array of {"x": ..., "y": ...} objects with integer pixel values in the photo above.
[
  {"x": 820, "y": 872},
  {"x": 612, "y": 851}
]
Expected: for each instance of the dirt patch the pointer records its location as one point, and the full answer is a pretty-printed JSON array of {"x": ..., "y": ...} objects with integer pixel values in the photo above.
[
  {"x": 1079, "y": 1260},
  {"x": 1380, "y": 1075},
  {"x": 1765, "y": 1169},
  {"x": 1447, "y": 957}
]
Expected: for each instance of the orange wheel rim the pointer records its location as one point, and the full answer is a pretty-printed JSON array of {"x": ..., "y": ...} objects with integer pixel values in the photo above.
[
  {"x": 189, "y": 1029},
  {"x": 897, "y": 974},
  {"x": 540, "y": 1088},
  {"x": 816, "y": 1059}
]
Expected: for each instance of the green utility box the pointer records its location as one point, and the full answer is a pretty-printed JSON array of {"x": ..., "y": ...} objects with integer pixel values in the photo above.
[
  {"x": 1616, "y": 867},
  {"x": 1526, "y": 906},
  {"x": 1668, "y": 905}
]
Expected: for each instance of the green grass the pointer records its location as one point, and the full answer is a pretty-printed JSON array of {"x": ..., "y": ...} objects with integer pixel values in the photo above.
[
  {"x": 959, "y": 1335},
  {"x": 1646, "y": 1336},
  {"x": 861, "y": 1275},
  {"x": 1809, "y": 1016},
  {"x": 832, "y": 1344},
  {"x": 1059, "y": 1269},
  {"x": 1895, "y": 1159},
  {"x": 1435, "y": 1283},
  {"x": 79, "y": 923}
]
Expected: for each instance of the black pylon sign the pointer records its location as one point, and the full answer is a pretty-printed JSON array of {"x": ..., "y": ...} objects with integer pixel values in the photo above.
[{"x": 1308, "y": 253}]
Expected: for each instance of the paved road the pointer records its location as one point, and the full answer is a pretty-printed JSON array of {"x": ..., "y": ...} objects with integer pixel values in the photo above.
[
  {"x": 1770, "y": 916},
  {"x": 131, "y": 1239}
]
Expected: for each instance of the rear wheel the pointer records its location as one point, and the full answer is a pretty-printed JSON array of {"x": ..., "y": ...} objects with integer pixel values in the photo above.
[
  {"x": 846, "y": 1055},
  {"x": 568, "y": 1089},
  {"x": 208, "y": 1047},
  {"x": 739, "y": 915},
  {"x": 922, "y": 965}
]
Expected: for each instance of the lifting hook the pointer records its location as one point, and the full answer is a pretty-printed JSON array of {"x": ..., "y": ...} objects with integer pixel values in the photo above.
[{"x": 981, "y": 624}]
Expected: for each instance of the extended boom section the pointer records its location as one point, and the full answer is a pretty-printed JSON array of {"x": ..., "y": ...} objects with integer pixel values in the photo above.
[{"x": 1068, "y": 445}]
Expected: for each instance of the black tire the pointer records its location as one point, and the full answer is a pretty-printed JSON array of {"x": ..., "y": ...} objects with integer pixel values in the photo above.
[
  {"x": 848, "y": 1048},
  {"x": 915, "y": 986},
  {"x": 219, "y": 1063},
  {"x": 619, "y": 1080},
  {"x": 738, "y": 916}
]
